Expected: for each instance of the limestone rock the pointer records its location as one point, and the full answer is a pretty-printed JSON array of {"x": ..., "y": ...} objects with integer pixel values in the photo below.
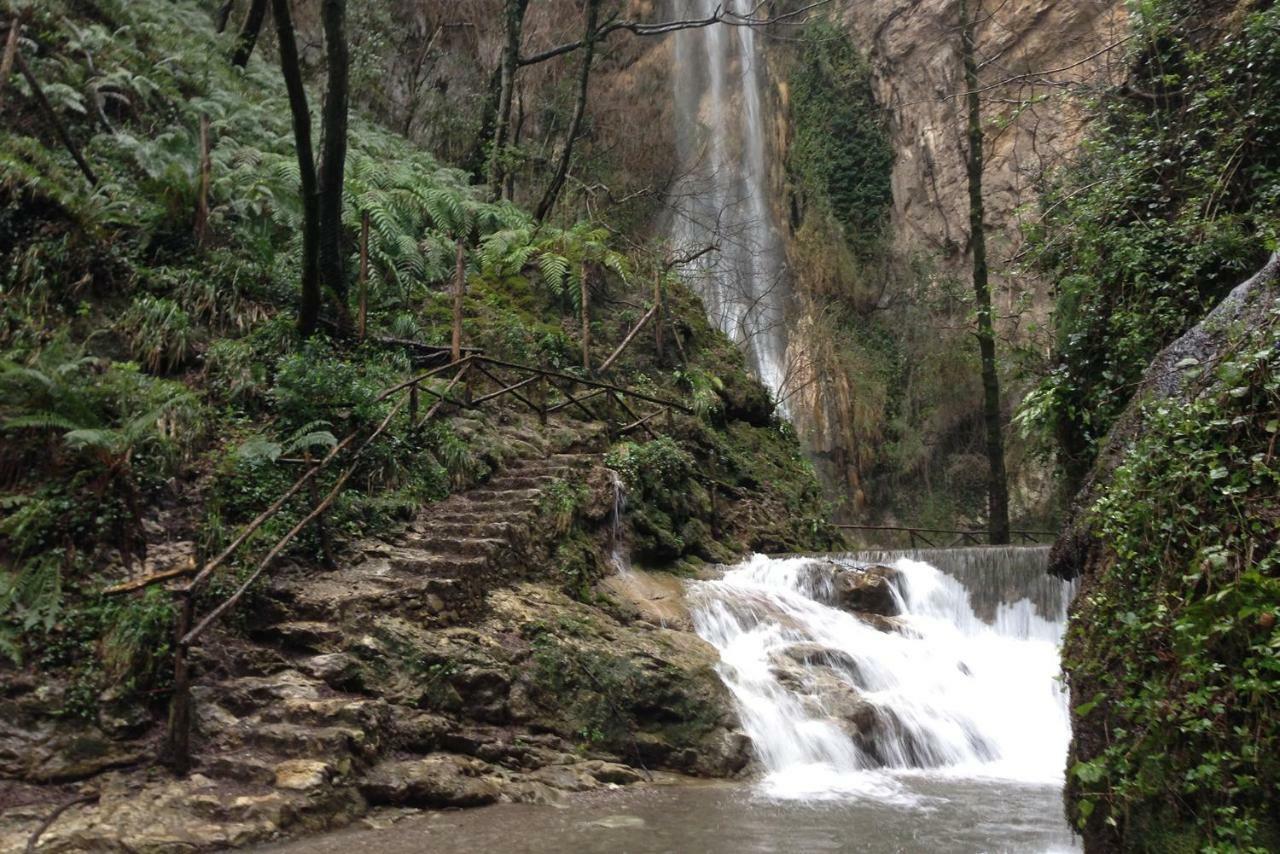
[
  {"x": 441, "y": 780},
  {"x": 302, "y": 774},
  {"x": 869, "y": 590}
]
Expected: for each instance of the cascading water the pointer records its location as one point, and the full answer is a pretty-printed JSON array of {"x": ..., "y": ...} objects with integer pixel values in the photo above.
[
  {"x": 721, "y": 199},
  {"x": 962, "y": 683},
  {"x": 619, "y": 554}
]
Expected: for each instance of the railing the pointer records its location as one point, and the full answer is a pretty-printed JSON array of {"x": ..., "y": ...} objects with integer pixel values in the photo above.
[
  {"x": 962, "y": 537},
  {"x": 542, "y": 390}
]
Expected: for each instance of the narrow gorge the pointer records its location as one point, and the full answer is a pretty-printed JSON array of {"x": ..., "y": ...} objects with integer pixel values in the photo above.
[{"x": 639, "y": 425}]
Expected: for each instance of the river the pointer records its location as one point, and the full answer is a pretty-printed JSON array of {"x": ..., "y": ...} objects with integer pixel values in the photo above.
[{"x": 966, "y": 746}]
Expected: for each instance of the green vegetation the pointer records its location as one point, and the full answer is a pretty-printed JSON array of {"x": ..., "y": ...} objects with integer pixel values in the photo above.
[
  {"x": 1174, "y": 646},
  {"x": 1172, "y": 650},
  {"x": 153, "y": 379},
  {"x": 1175, "y": 200},
  {"x": 840, "y": 156}
]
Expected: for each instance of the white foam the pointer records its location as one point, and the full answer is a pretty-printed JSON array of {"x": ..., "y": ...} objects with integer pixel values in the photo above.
[{"x": 965, "y": 698}]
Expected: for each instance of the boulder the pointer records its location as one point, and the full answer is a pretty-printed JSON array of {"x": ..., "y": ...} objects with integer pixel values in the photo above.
[
  {"x": 440, "y": 780},
  {"x": 866, "y": 590}
]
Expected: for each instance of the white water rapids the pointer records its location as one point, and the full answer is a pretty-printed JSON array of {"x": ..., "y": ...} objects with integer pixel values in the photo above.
[{"x": 838, "y": 708}]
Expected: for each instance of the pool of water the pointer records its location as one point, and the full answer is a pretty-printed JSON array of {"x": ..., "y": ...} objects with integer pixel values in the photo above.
[{"x": 901, "y": 813}]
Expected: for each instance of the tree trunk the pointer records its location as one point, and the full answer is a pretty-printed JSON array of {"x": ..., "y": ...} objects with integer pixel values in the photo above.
[
  {"x": 998, "y": 486},
  {"x": 459, "y": 290},
  {"x": 223, "y": 15},
  {"x": 579, "y": 110},
  {"x": 515, "y": 10},
  {"x": 586, "y": 318},
  {"x": 475, "y": 160},
  {"x": 334, "y": 156},
  {"x": 249, "y": 33},
  {"x": 309, "y": 308}
]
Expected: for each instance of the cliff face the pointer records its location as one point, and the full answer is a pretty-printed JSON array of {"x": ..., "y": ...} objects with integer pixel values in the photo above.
[
  {"x": 1035, "y": 54},
  {"x": 899, "y": 407},
  {"x": 891, "y": 401}
]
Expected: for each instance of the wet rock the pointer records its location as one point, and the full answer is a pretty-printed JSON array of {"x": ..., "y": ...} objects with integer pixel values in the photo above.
[
  {"x": 612, "y": 772},
  {"x": 567, "y": 778},
  {"x": 817, "y": 655},
  {"x": 868, "y": 591},
  {"x": 302, "y": 774},
  {"x": 442, "y": 780},
  {"x": 418, "y": 732},
  {"x": 336, "y": 669},
  {"x": 658, "y": 598}
]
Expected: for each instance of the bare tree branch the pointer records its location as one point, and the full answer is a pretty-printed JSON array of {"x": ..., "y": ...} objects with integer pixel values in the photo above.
[{"x": 640, "y": 28}]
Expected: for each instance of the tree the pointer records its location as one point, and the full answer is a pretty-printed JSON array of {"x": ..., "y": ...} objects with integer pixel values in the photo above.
[
  {"x": 309, "y": 309},
  {"x": 579, "y": 109},
  {"x": 249, "y": 30},
  {"x": 513, "y": 28},
  {"x": 334, "y": 154},
  {"x": 513, "y": 61},
  {"x": 322, "y": 258},
  {"x": 997, "y": 485}
]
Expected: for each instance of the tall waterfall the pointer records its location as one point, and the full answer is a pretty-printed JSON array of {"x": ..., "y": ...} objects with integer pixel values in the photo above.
[
  {"x": 721, "y": 198},
  {"x": 962, "y": 682}
]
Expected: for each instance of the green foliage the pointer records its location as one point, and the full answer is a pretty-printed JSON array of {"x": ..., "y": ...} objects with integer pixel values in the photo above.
[
  {"x": 558, "y": 254},
  {"x": 597, "y": 693},
  {"x": 1174, "y": 201},
  {"x": 841, "y": 157},
  {"x": 559, "y": 504},
  {"x": 1175, "y": 645},
  {"x": 160, "y": 333}
]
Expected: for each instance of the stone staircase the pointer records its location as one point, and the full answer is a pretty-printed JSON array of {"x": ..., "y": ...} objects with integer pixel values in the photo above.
[
  {"x": 302, "y": 721},
  {"x": 440, "y": 567}
]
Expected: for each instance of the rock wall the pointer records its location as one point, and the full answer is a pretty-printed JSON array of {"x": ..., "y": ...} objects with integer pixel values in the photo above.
[
  {"x": 1038, "y": 59},
  {"x": 1036, "y": 56}
]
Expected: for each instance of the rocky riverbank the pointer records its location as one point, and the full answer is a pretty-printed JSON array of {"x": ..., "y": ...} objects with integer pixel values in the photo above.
[{"x": 544, "y": 695}]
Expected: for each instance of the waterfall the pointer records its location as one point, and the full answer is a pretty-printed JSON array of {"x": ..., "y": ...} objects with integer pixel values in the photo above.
[
  {"x": 961, "y": 681},
  {"x": 722, "y": 195},
  {"x": 619, "y": 552}
]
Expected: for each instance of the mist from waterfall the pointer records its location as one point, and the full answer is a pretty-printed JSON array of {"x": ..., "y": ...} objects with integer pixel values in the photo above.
[
  {"x": 721, "y": 198},
  {"x": 964, "y": 683}
]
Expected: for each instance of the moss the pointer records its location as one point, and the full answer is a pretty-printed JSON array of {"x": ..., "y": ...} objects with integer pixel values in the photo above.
[{"x": 1171, "y": 649}]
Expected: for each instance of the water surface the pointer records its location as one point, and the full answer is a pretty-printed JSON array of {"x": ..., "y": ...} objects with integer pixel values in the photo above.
[{"x": 949, "y": 817}]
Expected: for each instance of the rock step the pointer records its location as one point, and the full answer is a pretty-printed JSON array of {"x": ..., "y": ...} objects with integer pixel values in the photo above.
[
  {"x": 433, "y": 528},
  {"x": 521, "y": 481},
  {"x": 330, "y": 599},
  {"x": 293, "y": 741},
  {"x": 466, "y": 544},
  {"x": 504, "y": 496},
  {"x": 485, "y": 514},
  {"x": 420, "y": 562}
]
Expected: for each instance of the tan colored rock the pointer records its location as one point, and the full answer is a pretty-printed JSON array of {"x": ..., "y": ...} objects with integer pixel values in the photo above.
[
  {"x": 440, "y": 780},
  {"x": 302, "y": 774},
  {"x": 655, "y": 597}
]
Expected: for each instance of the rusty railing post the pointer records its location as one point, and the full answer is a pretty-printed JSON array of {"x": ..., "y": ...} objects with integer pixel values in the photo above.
[
  {"x": 459, "y": 289},
  {"x": 542, "y": 400},
  {"x": 586, "y": 319},
  {"x": 313, "y": 490},
  {"x": 177, "y": 748},
  {"x": 657, "y": 316}
]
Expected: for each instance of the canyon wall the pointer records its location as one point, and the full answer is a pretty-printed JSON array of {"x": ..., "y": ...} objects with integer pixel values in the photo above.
[
  {"x": 912, "y": 422},
  {"x": 881, "y": 372}
]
